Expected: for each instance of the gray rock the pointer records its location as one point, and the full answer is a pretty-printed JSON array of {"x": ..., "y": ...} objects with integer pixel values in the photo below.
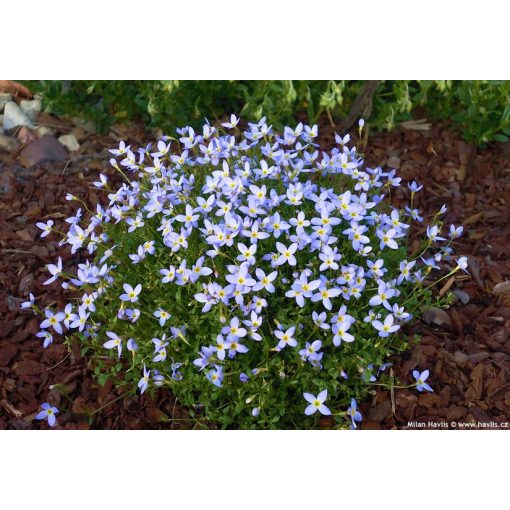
[
  {"x": 461, "y": 296},
  {"x": 43, "y": 149},
  {"x": 31, "y": 108},
  {"x": 14, "y": 117},
  {"x": 69, "y": 142},
  {"x": 4, "y": 99}
]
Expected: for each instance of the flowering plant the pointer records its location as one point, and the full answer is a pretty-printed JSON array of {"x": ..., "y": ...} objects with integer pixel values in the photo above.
[{"x": 250, "y": 273}]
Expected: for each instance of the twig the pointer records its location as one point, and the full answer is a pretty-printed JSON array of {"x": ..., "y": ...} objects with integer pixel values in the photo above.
[
  {"x": 392, "y": 393},
  {"x": 61, "y": 361},
  {"x": 21, "y": 251},
  {"x": 10, "y": 408},
  {"x": 330, "y": 118},
  {"x": 108, "y": 403},
  {"x": 362, "y": 105},
  {"x": 173, "y": 410}
]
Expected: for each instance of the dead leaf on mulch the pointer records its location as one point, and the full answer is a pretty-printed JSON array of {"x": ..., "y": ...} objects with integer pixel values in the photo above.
[
  {"x": 502, "y": 289},
  {"x": 446, "y": 287},
  {"x": 15, "y": 88},
  {"x": 436, "y": 316}
]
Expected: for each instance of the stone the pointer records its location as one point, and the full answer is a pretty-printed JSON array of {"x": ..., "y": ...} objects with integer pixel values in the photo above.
[
  {"x": 31, "y": 108},
  {"x": 14, "y": 117},
  {"x": 7, "y": 143},
  {"x": 46, "y": 148},
  {"x": 69, "y": 142},
  {"x": 4, "y": 99},
  {"x": 44, "y": 130}
]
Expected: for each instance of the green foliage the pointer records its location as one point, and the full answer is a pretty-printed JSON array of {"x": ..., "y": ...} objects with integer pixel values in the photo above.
[{"x": 479, "y": 110}]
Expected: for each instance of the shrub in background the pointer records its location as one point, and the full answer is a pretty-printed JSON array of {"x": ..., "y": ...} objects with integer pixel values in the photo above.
[
  {"x": 479, "y": 110},
  {"x": 256, "y": 277}
]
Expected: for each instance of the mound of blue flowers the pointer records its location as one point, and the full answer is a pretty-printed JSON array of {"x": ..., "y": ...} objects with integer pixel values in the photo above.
[{"x": 261, "y": 280}]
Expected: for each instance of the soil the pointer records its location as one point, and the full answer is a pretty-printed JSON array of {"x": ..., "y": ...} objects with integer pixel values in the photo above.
[{"x": 467, "y": 351}]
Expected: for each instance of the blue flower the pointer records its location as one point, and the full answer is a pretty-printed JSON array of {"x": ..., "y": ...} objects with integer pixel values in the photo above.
[
  {"x": 353, "y": 413},
  {"x": 45, "y": 227},
  {"x": 48, "y": 413},
  {"x": 216, "y": 376},
  {"x": 130, "y": 293},
  {"x": 420, "y": 380},
  {"x": 286, "y": 337},
  {"x": 462, "y": 263},
  {"x": 53, "y": 320},
  {"x": 324, "y": 294},
  {"x": 48, "y": 338},
  {"x": 317, "y": 403},
  {"x": 143, "y": 383},
  {"x": 54, "y": 270},
  {"x": 162, "y": 315},
  {"x": 29, "y": 303},
  {"x": 387, "y": 327},
  {"x": 414, "y": 186},
  {"x": 114, "y": 342}
]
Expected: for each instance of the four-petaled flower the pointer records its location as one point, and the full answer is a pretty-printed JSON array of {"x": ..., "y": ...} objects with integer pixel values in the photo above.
[
  {"x": 387, "y": 327},
  {"x": 48, "y": 413},
  {"x": 130, "y": 293},
  {"x": 114, "y": 342},
  {"x": 420, "y": 380},
  {"x": 317, "y": 403},
  {"x": 286, "y": 337},
  {"x": 286, "y": 254},
  {"x": 45, "y": 227},
  {"x": 53, "y": 320},
  {"x": 162, "y": 315}
]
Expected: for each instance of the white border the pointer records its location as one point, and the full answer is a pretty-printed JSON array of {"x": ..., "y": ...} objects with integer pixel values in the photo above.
[
  {"x": 415, "y": 470},
  {"x": 262, "y": 39}
]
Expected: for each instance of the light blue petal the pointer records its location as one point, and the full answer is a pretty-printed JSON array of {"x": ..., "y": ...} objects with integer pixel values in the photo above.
[
  {"x": 310, "y": 410},
  {"x": 324, "y": 410},
  {"x": 322, "y": 396}
]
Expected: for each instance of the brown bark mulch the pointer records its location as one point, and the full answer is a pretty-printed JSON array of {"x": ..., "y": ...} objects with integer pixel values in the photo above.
[{"x": 468, "y": 354}]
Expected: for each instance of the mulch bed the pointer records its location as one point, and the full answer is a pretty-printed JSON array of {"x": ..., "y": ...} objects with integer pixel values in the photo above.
[{"x": 468, "y": 354}]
